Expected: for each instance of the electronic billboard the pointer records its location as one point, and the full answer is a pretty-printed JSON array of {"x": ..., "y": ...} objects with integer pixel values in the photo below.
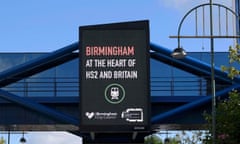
[{"x": 114, "y": 77}]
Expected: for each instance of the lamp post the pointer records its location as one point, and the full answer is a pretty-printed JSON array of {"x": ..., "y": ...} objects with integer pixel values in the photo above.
[
  {"x": 179, "y": 52},
  {"x": 22, "y": 139}
]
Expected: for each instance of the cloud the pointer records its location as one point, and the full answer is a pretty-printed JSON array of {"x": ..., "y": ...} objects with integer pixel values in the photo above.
[
  {"x": 52, "y": 137},
  {"x": 188, "y": 4},
  {"x": 176, "y": 4}
]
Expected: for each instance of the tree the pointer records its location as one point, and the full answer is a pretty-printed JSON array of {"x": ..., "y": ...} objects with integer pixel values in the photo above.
[
  {"x": 228, "y": 109},
  {"x": 2, "y": 141},
  {"x": 227, "y": 119},
  {"x": 152, "y": 139},
  {"x": 181, "y": 137},
  {"x": 234, "y": 58}
]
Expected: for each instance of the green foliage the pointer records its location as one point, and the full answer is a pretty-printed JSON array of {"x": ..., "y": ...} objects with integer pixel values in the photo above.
[
  {"x": 228, "y": 110},
  {"x": 227, "y": 119},
  {"x": 153, "y": 139},
  {"x": 234, "y": 58},
  {"x": 193, "y": 137},
  {"x": 2, "y": 141}
]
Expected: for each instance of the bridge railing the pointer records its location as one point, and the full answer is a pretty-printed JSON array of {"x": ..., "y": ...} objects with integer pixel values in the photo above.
[
  {"x": 69, "y": 86},
  {"x": 178, "y": 86}
]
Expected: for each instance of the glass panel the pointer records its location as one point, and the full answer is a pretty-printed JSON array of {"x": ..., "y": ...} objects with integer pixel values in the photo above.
[
  {"x": 42, "y": 84},
  {"x": 69, "y": 69},
  {"x": 17, "y": 88},
  {"x": 9, "y": 60},
  {"x": 67, "y": 79},
  {"x": 63, "y": 80}
]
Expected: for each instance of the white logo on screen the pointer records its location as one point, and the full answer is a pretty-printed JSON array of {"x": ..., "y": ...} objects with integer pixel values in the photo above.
[
  {"x": 114, "y": 93},
  {"x": 89, "y": 115}
]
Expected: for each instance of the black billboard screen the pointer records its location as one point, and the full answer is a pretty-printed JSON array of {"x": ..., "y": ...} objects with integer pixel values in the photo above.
[{"x": 114, "y": 77}]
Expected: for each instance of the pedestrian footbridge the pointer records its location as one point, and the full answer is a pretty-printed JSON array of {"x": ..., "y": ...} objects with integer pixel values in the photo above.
[{"x": 40, "y": 91}]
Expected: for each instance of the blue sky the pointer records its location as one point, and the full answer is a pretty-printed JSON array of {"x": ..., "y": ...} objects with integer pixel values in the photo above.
[
  {"x": 44, "y": 26},
  {"x": 39, "y": 137},
  {"x": 47, "y": 25}
]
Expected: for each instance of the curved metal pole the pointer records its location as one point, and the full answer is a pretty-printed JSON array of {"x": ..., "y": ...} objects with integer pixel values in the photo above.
[
  {"x": 202, "y": 5},
  {"x": 213, "y": 91}
]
